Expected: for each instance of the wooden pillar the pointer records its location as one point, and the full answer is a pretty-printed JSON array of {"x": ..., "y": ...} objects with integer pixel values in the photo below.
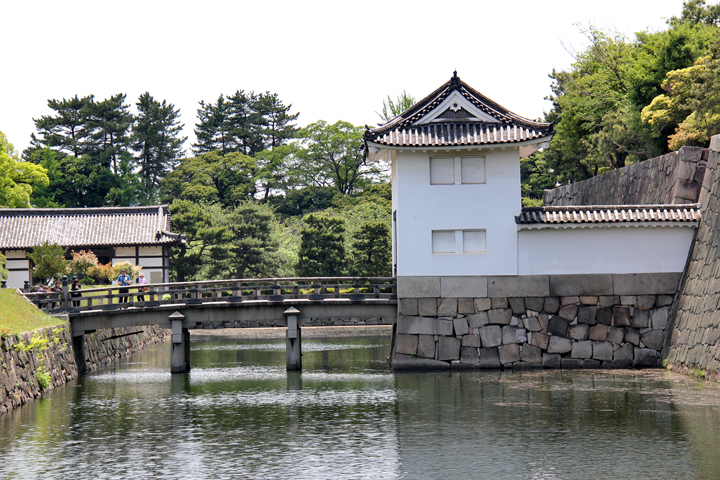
[
  {"x": 180, "y": 356},
  {"x": 293, "y": 350}
]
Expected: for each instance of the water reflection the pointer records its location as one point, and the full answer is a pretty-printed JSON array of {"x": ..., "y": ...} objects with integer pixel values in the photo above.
[{"x": 239, "y": 414}]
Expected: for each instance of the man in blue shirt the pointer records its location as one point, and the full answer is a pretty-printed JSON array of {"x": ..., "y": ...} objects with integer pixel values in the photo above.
[{"x": 123, "y": 280}]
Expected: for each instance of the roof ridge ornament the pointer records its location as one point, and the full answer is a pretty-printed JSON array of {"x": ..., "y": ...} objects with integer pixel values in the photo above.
[{"x": 455, "y": 80}]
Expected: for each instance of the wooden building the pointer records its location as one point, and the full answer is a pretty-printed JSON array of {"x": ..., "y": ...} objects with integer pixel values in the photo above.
[{"x": 139, "y": 235}]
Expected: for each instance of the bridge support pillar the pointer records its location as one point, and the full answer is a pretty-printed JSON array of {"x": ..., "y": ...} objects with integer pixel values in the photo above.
[
  {"x": 293, "y": 350},
  {"x": 180, "y": 356},
  {"x": 79, "y": 350}
]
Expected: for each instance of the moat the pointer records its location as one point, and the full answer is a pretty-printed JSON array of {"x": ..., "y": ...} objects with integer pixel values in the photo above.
[{"x": 239, "y": 414}]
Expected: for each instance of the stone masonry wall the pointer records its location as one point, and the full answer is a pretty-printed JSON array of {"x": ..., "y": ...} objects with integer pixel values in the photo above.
[
  {"x": 19, "y": 369},
  {"x": 561, "y": 321},
  {"x": 675, "y": 178},
  {"x": 694, "y": 342}
]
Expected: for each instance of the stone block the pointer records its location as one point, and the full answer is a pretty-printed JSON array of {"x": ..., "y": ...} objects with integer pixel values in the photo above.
[
  {"x": 489, "y": 358},
  {"x": 571, "y": 363},
  {"x": 426, "y": 346},
  {"x": 569, "y": 300},
  {"x": 603, "y": 316},
  {"x": 406, "y": 344},
  {"x": 645, "y": 302},
  {"x": 688, "y": 190},
  {"x": 646, "y": 283},
  {"x": 513, "y": 335},
  {"x": 640, "y": 319},
  {"x": 469, "y": 355},
  {"x": 591, "y": 364},
  {"x": 586, "y": 315},
  {"x": 534, "y": 303},
  {"x": 543, "y": 320},
  {"x": 551, "y": 360},
  {"x": 664, "y": 300},
  {"x": 598, "y": 333},
  {"x": 499, "y": 302},
  {"x": 417, "y": 287},
  {"x": 491, "y": 336},
  {"x": 466, "y": 306},
  {"x": 632, "y": 336},
  {"x": 559, "y": 345},
  {"x": 540, "y": 340},
  {"x": 578, "y": 332},
  {"x": 568, "y": 312},
  {"x": 615, "y": 335},
  {"x": 588, "y": 300},
  {"x": 483, "y": 304},
  {"x": 573, "y": 285},
  {"x": 603, "y": 351},
  {"x": 659, "y": 318},
  {"x": 581, "y": 349},
  {"x": 447, "y": 307},
  {"x": 461, "y": 326},
  {"x": 454, "y": 287},
  {"x": 449, "y": 348},
  {"x": 624, "y": 355},
  {"x": 646, "y": 357},
  {"x": 517, "y": 305},
  {"x": 427, "y": 307},
  {"x": 558, "y": 326},
  {"x": 471, "y": 341},
  {"x": 608, "y": 300},
  {"x": 531, "y": 354},
  {"x": 424, "y": 326},
  {"x": 531, "y": 324},
  {"x": 500, "y": 316},
  {"x": 628, "y": 300},
  {"x": 478, "y": 320},
  {"x": 653, "y": 339},
  {"x": 518, "y": 286},
  {"x": 621, "y": 316},
  {"x": 509, "y": 353},
  {"x": 408, "y": 306},
  {"x": 408, "y": 362},
  {"x": 551, "y": 305}
]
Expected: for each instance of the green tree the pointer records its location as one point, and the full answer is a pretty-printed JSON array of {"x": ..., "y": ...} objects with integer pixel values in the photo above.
[
  {"x": 156, "y": 139},
  {"x": 322, "y": 247},
  {"x": 392, "y": 109},
  {"x": 4, "y": 272},
  {"x": 697, "y": 12},
  {"x": 370, "y": 251},
  {"x": 108, "y": 123},
  {"x": 17, "y": 178},
  {"x": 277, "y": 127},
  {"x": 49, "y": 260},
  {"x": 212, "y": 177},
  {"x": 66, "y": 131},
  {"x": 212, "y": 130}
]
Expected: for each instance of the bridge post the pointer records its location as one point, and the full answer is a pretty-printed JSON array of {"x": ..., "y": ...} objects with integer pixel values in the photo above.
[
  {"x": 293, "y": 350},
  {"x": 180, "y": 356}
]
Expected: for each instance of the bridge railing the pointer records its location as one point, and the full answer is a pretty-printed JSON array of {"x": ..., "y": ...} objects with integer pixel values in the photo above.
[{"x": 214, "y": 291}]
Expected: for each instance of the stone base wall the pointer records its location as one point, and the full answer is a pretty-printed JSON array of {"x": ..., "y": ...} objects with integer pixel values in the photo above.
[
  {"x": 313, "y": 322},
  {"x": 581, "y": 321},
  {"x": 54, "y": 356}
]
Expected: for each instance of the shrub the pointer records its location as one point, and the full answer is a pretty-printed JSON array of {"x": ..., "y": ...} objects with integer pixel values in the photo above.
[{"x": 132, "y": 270}]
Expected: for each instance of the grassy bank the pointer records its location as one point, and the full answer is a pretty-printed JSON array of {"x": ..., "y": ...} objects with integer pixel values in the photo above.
[{"x": 18, "y": 315}]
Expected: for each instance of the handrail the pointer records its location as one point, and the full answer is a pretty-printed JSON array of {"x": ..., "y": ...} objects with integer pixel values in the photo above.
[{"x": 214, "y": 291}]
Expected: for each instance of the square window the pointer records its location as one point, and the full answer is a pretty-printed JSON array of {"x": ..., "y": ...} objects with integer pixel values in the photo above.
[
  {"x": 474, "y": 241},
  {"x": 443, "y": 241},
  {"x": 442, "y": 171},
  {"x": 472, "y": 170}
]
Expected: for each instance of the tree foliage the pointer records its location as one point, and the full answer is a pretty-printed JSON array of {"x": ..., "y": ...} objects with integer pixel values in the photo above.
[
  {"x": 392, "y": 108},
  {"x": 370, "y": 251},
  {"x": 17, "y": 178},
  {"x": 322, "y": 247},
  {"x": 49, "y": 260},
  {"x": 4, "y": 272}
]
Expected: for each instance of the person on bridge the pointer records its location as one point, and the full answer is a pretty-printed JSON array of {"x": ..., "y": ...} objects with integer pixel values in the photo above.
[
  {"x": 76, "y": 291},
  {"x": 143, "y": 286},
  {"x": 123, "y": 280}
]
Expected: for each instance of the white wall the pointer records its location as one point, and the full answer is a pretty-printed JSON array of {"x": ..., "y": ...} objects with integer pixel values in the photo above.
[
  {"x": 603, "y": 250},
  {"x": 422, "y": 208}
]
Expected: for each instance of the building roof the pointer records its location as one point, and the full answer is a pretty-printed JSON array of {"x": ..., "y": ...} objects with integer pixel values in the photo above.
[
  {"x": 456, "y": 115},
  {"x": 606, "y": 214},
  {"x": 83, "y": 227}
]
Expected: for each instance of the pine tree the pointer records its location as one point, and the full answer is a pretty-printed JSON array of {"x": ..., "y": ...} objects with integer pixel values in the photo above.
[
  {"x": 322, "y": 248},
  {"x": 109, "y": 126},
  {"x": 370, "y": 252},
  {"x": 67, "y": 130},
  {"x": 156, "y": 140},
  {"x": 212, "y": 128},
  {"x": 277, "y": 126}
]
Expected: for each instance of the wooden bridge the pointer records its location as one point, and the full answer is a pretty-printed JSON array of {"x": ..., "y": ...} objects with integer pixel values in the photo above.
[{"x": 274, "y": 302}]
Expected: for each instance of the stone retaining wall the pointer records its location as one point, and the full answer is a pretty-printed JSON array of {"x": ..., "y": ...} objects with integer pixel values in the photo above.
[
  {"x": 313, "y": 322},
  {"x": 19, "y": 369},
  {"x": 543, "y": 321},
  {"x": 675, "y": 178}
]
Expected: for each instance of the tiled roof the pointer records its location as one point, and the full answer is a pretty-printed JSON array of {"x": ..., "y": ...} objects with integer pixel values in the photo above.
[
  {"x": 456, "y": 128},
  {"x": 596, "y": 214},
  {"x": 69, "y": 227}
]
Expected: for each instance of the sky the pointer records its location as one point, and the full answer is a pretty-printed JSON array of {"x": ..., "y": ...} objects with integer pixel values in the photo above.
[{"x": 331, "y": 60}]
